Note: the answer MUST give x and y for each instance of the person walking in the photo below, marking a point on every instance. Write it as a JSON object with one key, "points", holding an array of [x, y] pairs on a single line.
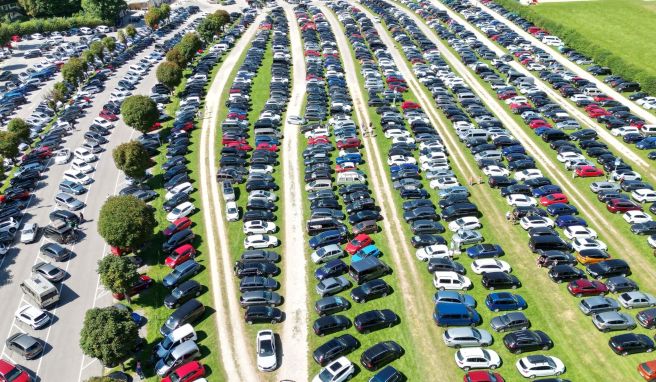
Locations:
{"points": [[82, 218], [139, 371]]}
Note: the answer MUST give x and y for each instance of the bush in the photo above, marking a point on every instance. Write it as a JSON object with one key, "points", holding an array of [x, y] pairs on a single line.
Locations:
{"points": [[48, 25]]}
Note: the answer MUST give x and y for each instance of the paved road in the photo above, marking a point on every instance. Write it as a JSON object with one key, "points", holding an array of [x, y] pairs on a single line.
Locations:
{"points": [[63, 360]]}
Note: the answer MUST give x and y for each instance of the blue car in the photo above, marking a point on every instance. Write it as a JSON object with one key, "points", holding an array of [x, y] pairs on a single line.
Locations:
{"points": [[350, 157], [332, 268], [514, 149], [368, 251], [266, 139], [505, 301], [416, 193], [454, 296], [564, 221], [547, 190], [138, 319], [404, 166], [485, 251], [540, 130], [333, 236], [648, 143], [455, 314], [562, 209]]}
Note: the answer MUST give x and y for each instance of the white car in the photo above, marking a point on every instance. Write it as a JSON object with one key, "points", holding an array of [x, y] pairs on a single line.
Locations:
{"points": [[651, 240], [521, 200], [625, 175], [338, 370], [465, 223], [579, 232], [76, 176], [633, 217], [29, 232], [644, 195], [103, 123], [477, 358], [85, 155], [449, 280], [400, 159], [622, 131], [232, 211], [539, 365], [267, 358], [295, 120], [527, 174], [579, 244], [432, 251], [444, 182], [569, 156], [185, 187], [495, 171], [260, 241], [63, 156], [535, 221], [181, 210], [259, 227], [481, 266], [9, 225], [81, 166], [32, 316]]}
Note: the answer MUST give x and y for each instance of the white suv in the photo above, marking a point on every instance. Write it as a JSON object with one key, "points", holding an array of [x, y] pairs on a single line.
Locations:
{"points": [[339, 370], [9, 225], [477, 358], [540, 366]]}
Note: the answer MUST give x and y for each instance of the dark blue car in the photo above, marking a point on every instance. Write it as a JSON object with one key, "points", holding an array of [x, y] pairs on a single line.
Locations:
{"points": [[514, 149], [455, 314], [562, 209], [332, 268], [350, 157], [484, 251], [547, 190], [564, 221], [504, 301], [648, 143], [333, 236]]}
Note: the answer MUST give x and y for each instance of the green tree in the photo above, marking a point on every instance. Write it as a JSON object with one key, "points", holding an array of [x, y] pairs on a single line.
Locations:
{"points": [[189, 45], [126, 222], [209, 27], [108, 10], [130, 30], [117, 274], [170, 74], [109, 43], [73, 70], [88, 57], [139, 112], [132, 158], [34, 8], [109, 334], [152, 17], [5, 34], [165, 11], [102, 379], [223, 16], [9, 142], [98, 50], [56, 95], [175, 56], [19, 127], [120, 36]]}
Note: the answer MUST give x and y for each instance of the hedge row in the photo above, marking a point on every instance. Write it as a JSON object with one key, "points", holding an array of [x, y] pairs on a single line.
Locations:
{"points": [[47, 25], [584, 45]]}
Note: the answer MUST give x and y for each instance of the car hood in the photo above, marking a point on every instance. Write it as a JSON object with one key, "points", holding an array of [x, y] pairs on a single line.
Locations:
{"points": [[267, 362]]}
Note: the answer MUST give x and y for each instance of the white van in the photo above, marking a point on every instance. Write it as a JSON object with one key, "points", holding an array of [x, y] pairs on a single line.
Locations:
{"points": [[40, 291], [182, 334], [451, 281], [592, 92], [648, 130], [350, 177], [552, 40]]}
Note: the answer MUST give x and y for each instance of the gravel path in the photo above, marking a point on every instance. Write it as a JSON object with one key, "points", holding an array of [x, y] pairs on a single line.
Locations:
{"points": [[235, 357], [294, 328]]}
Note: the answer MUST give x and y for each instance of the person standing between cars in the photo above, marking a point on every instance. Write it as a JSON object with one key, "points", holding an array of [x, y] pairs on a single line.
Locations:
{"points": [[82, 218], [139, 371]]}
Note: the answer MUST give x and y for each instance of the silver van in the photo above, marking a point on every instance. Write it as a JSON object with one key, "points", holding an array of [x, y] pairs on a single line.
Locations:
{"points": [[648, 130], [350, 177], [182, 334], [183, 353], [489, 154]]}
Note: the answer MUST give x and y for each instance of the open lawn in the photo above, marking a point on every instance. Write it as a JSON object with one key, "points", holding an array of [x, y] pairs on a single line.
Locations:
{"points": [[624, 27]]}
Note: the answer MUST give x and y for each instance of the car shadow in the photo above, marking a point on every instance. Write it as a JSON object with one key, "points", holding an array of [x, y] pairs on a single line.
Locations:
{"points": [[46, 349], [66, 295], [7, 260], [15, 67]]}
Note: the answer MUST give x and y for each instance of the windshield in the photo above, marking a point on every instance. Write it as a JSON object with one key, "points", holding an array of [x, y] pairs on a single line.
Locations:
{"points": [[166, 343], [326, 376], [266, 348], [177, 293], [12, 374]]}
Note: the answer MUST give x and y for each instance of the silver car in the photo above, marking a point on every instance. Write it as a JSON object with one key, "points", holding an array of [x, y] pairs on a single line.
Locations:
{"points": [[636, 299], [463, 337], [598, 304], [68, 201], [466, 237], [608, 321], [49, 271], [332, 285], [29, 233]]}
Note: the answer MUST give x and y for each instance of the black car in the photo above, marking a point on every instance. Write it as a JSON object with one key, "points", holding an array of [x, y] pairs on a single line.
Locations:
{"points": [[500, 280], [177, 239], [262, 314], [335, 348], [67, 216], [564, 273], [177, 199], [375, 319], [425, 226], [364, 215], [424, 240], [527, 340], [252, 283], [259, 255], [371, 290], [332, 268], [551, 258], [380, 355], [619, 284], [258, 215], [331, 304], [647, 228], [330, 324], [631, 343], [609, 268], [183, 293], [255, 269], [418, 213], [445, 264]]}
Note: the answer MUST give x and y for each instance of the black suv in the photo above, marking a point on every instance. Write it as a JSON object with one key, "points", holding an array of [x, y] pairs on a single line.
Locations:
{"points": [[335, 348], [370, 290], [527, 340], [380, 355]]}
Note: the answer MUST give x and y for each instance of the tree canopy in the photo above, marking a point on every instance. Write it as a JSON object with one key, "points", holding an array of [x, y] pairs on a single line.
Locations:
{"points": [[98, 50], [117, 274], [130, 30], [126, 222], [109, 334], [73, 70], [139, 112], [132, 158], [175, 55], [19, 127], [9, 142], [104, 9], [169, 74], [189, 45]]}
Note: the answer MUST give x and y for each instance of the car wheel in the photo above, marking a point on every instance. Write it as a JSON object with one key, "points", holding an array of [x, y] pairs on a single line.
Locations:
{"points": [[249, 322], [384, 294], [274, 321], [496, 310], [579, 295], [441, 288], [491, 288], [625, 354], [492, 367], [650, 350], [466, 368]]}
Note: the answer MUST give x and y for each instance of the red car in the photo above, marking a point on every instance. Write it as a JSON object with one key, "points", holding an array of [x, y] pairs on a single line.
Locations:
{"points": [[231, 141], [108, 115], [410, 105], [238, 116], [14, 195], [534, 124], [357, 243], [585, 287], [16, 38], [588, 172], [548, 200], [595, 113], [318, 139], [239, 146], [482, 376], [348, 143], [155, 126], [186, 373], [188, 126], [266, 146], [177, 226], [506, 95], [600, 98], [13, 373], [40, 152], [180, 255], [622, 205], [119, 251], [143, 283], [346, 166]]}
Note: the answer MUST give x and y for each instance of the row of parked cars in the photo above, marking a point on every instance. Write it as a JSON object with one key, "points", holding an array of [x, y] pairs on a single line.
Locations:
{"points": [[335, 235], [556, 253]]}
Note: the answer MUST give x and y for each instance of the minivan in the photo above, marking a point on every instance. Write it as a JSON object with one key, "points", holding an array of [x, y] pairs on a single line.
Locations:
{"points": [[455, 314], [548, 243], [368, 269], [187, 313], [318, 225], [182, 334], [183, 353], [350, 177], [648, 130]]}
